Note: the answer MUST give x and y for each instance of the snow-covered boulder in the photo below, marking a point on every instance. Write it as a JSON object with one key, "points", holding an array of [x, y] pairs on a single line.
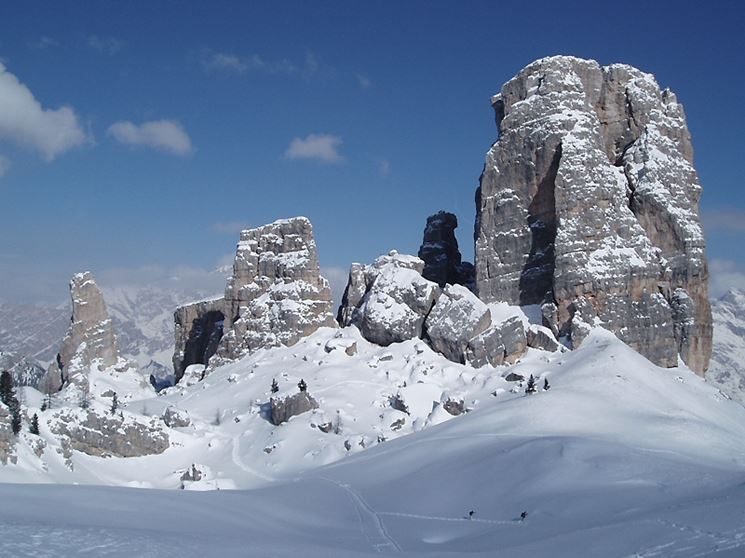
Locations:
{"points": [[503, 342], [540, 337], [396, 299], [457, 317], [176, 418]]}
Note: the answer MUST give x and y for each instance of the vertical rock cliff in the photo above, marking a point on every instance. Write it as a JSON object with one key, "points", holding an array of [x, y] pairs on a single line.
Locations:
{"points": [[588, 205]]}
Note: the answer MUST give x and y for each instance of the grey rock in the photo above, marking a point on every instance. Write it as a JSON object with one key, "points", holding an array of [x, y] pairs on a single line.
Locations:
{"points": [[440, 254], [282, 408], [176, 418], [456, 318], [512, 377], [90, 337], [192, 474], [541, 338], [395, 302], [504, 342], [108, 435], [7, 438], [454, 407], [275, 296], [590, 193]]}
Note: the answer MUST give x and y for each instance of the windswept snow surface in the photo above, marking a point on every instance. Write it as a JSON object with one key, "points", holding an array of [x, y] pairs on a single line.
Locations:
{"points": [[619, 458]]}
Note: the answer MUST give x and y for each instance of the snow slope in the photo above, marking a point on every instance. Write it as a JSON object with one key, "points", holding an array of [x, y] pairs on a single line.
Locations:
{"points": [[618, 459]]}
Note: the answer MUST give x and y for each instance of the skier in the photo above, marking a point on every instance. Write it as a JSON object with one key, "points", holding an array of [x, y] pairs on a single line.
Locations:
{"points": [[523, 516]]}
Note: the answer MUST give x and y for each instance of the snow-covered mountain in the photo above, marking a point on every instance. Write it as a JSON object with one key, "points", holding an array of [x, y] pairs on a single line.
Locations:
{"points": [[619, 457], [34, 331], [727, 367]]}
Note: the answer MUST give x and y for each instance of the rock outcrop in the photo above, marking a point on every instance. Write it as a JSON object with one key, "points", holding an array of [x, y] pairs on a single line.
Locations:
{"points": [[282, 408], [274, 297], [440, 254], [108, 435], [389, 300], [589, 202], [198, 328], [90, 337]]}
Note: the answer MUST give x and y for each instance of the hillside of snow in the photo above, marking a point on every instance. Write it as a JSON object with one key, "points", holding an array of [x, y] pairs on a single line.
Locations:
{"points": [[618, 458]]}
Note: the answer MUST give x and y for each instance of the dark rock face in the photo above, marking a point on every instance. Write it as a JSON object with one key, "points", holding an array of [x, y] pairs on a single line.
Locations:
{"points": [[440, 253], [540, 338], [282, 408], [589, 202], [198, 330]]}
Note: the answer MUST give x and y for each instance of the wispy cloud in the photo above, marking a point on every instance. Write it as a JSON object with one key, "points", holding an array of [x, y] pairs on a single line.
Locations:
{"points": [[24, 121], [323, 148], [364, 81], [42, 43], [725, 220], [384, 167], [229, 227], [105, 45], [725, 275], [163, 135], [236, 64]]}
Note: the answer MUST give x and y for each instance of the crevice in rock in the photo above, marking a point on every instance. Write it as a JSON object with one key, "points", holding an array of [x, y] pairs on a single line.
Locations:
{"points": [[203, 340], [536, 278]]}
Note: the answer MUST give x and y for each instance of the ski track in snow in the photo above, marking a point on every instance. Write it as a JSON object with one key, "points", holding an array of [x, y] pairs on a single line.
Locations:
{"points": [[236, 454], [438, 518], [370, 522]]}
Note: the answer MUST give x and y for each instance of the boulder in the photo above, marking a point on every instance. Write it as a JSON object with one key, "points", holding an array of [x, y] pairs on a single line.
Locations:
{"points": [[457, 317], [395, 302], [282, 408], [176, 418], [541, 338], [502, 343], [589, 199]]}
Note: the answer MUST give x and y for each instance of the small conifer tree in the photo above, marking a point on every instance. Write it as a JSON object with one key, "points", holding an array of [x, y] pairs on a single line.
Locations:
{"points": [[34, 428], [114, 404], [302, 385], [8, 397], [275, 385], [530, 388], [545, 384]]}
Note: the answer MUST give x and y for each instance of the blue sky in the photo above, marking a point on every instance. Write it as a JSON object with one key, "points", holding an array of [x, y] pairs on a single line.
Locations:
{"points": [[187, 121]]}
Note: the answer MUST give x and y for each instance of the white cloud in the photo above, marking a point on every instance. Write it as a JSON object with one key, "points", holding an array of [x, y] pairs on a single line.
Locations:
{"points": [[364, 81], [725, 220], [317, 147], [385, 167], [24, 121], [4, 165], [725, 275], [106, 45], [164, 135], [226, 62]]}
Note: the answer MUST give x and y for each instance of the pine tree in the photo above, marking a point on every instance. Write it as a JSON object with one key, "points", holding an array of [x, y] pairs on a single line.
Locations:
{"points": [[302, 385], [114, 404], [530, 388], [545, 384], [275, 386], [34, 428]]}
